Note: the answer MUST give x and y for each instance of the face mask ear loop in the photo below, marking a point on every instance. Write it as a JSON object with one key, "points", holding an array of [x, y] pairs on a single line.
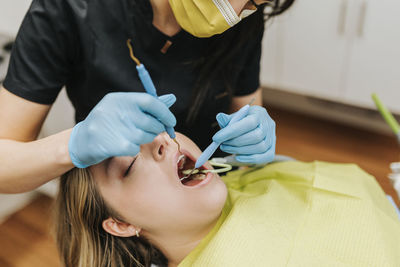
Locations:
{"points": [[255, 4]]}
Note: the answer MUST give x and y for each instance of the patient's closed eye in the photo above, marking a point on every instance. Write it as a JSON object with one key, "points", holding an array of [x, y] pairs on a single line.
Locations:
{"points": [[130, 166]]}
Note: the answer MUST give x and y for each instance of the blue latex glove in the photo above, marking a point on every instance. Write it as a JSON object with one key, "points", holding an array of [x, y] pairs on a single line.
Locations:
{"points": [[252, 139], [118, 125]]}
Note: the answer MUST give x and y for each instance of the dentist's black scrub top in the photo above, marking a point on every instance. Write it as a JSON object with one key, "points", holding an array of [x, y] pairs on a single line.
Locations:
{"points": [[81, 44]]}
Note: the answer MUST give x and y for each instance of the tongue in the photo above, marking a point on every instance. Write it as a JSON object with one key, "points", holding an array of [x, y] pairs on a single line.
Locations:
{"points": [[194, 179]]}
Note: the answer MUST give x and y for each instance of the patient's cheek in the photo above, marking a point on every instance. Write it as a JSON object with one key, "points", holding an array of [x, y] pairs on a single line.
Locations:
{"points": [[188, 144]]}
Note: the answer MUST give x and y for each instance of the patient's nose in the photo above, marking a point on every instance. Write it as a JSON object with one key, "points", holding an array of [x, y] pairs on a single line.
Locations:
{"points": [[160, 146]]}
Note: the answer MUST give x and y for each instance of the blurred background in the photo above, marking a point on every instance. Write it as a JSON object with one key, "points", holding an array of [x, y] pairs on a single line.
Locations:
{"points": [[321, 61]]}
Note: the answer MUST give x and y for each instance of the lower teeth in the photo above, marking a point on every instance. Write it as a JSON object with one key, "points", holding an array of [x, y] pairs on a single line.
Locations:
{"points": [[199, 176]]}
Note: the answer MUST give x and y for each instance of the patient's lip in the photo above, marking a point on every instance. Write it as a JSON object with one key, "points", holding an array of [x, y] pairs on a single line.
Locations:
{"points": [[209, 176], [184, 152], [189, 155], [205, 181]]}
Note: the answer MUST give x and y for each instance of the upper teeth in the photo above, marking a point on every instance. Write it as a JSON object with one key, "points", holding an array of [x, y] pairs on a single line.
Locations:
{"points": [[181, 161]]}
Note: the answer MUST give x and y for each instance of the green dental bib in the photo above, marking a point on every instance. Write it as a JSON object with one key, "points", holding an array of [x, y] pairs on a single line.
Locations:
{"points": [[302, 214]]}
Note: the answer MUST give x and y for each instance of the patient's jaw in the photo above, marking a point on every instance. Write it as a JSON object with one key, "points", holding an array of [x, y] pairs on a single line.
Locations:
{"points": [[152, 198]]}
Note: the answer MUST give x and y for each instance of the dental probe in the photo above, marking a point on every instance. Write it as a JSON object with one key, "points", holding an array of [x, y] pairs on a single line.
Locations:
{"points": [[209, 151], [223, 167], [149, 87]]}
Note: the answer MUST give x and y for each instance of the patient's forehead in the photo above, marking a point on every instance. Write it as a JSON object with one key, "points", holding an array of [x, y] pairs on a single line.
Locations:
{"points": [[110, 168]]}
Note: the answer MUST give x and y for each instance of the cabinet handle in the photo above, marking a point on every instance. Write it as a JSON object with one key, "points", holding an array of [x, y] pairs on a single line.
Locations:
{"points": [[361, 21], [341, 29]]}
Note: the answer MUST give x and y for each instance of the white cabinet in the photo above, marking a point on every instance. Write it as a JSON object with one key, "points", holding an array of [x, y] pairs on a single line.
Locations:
{"points": [[313, 48], [341, 50], [374, 61], [270, 58]]}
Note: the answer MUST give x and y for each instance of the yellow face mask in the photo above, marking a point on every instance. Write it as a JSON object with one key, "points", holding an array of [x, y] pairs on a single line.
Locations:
{"points": [[205, 18]]}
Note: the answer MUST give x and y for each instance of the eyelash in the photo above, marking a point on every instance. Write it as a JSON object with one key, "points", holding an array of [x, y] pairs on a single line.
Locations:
{"points": [[130, 166]]}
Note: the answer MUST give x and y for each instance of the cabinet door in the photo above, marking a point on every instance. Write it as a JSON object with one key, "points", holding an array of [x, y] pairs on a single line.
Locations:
{"points": [[375, 55], [271, 64], [313, 48]]}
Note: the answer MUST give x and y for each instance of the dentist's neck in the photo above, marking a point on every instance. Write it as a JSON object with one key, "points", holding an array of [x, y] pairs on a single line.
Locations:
{"points": [[163, 17], [238, 5]]}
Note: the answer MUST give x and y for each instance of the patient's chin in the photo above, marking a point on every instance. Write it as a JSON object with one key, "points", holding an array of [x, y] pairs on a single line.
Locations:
{"points": [[217, 195]]}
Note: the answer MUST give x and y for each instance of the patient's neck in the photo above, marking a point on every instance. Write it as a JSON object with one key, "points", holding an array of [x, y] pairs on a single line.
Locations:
{"points": [[177, 245]]}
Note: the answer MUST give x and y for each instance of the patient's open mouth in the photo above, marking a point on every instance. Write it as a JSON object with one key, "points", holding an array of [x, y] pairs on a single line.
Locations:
{"points": [[186, 163]]}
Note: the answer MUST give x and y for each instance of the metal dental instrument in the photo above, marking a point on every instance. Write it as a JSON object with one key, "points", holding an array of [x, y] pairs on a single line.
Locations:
{"points": [[222, 168], [231, 160], [149, 86], [209, 151]]}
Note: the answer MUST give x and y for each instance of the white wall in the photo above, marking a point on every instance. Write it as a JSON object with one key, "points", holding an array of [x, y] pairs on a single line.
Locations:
{"points": [[11, 15], [61, 117]]}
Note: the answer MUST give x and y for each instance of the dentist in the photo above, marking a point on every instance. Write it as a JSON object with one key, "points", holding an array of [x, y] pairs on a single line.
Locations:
{"points": [[203, 53]]}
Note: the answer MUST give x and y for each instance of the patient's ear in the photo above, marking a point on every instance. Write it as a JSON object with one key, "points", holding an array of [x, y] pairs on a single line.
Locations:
{"points": [[117, 228]]}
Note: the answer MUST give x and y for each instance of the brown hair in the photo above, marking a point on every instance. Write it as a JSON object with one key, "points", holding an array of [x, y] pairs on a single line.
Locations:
{"points": [[81, 239]]}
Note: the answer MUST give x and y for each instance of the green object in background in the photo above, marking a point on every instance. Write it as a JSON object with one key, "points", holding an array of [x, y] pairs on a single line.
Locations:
{"points": [[386, 115]]}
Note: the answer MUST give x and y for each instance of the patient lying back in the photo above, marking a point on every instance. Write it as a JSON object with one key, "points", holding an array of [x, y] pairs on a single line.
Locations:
{"points": [[134, 211]]}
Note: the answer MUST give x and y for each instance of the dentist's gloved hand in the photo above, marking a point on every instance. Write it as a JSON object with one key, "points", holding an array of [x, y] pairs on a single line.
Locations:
{"points": [[252, 139], [118, 125]]}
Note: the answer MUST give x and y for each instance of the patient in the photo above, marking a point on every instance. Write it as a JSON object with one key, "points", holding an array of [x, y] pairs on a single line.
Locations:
{"points": [[135, 211]]}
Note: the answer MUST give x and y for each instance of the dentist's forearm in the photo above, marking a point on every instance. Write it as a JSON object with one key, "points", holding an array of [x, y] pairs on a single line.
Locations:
{"points": [[239, 101], [25, 166]]}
